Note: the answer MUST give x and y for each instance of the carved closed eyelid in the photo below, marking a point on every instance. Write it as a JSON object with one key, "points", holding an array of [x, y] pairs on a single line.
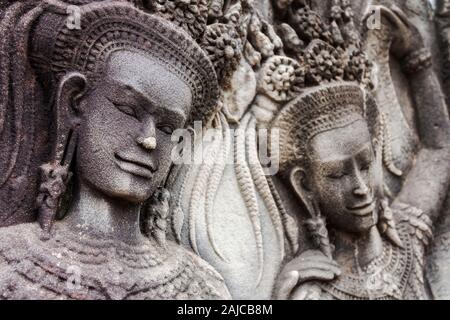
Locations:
{"points": [[365, 166], [168, 129], [124, 107], [335, 173], [366, 153], [128, 110], [365, 162]]}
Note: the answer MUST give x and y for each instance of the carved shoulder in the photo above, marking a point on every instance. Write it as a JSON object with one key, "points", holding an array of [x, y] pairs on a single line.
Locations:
{"points": [[13, 250], [419, 223], [14, 242], [210, 282]]}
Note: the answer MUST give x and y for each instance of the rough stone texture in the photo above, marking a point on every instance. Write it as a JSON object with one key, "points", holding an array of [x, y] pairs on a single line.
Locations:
{"points": [[340, 205]]}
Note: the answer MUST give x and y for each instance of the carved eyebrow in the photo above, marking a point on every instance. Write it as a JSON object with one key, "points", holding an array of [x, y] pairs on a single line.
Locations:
{"points": [[144, 99], [333, 165], [338, 162], [138, 95]]}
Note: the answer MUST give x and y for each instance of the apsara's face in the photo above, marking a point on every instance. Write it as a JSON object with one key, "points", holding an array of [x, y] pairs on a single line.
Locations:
{"points": [[124, 147], [343, 171]]}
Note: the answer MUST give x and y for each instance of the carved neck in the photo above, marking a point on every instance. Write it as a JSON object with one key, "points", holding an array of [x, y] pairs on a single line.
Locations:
{"points": [[93, 213], [360, 248]]}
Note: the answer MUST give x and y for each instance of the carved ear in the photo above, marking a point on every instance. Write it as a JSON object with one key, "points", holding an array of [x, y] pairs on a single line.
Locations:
{"points": [[300, 185], [71, 89]]}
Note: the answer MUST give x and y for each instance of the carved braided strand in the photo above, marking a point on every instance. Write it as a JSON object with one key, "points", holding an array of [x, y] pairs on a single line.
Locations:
{"points": [[289, 228], [18, 75], [214, 181], [178, 210], [198, 194], [261, 183], [247, 188], [5, 42]]}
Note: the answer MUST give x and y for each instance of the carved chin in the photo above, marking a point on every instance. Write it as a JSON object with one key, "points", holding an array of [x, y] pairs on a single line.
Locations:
{"points": [[366, 222]]}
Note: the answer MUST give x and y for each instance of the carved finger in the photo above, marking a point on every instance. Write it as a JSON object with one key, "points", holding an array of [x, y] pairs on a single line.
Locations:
{"points": [[287, 284], [402, 16], [315, 254], [327, 267], [394, 19], [316, 274], [308, 291], [315, 260], [312, 259]]}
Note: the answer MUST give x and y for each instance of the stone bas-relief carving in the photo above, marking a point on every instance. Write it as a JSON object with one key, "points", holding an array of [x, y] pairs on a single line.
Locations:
{"points": [[369, 249], [323, 177], [362, 228], [110, 89]]}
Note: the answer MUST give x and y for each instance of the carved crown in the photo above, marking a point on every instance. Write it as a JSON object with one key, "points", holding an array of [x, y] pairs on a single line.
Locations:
{"points": [[108, 26], [336, 76], [318, 110], [328, 49]]}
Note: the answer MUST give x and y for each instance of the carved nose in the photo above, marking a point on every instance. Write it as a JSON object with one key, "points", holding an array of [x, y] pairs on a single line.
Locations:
{"points": [[147, 138], [361, 190], [148, 143]]}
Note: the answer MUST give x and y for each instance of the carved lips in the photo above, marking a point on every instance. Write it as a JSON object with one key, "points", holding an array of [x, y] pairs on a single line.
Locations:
{"points": [[136, 167], [363, 209]]}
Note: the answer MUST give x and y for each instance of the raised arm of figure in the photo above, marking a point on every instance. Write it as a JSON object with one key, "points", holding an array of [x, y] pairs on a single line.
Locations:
{"points": [[427, 183]]}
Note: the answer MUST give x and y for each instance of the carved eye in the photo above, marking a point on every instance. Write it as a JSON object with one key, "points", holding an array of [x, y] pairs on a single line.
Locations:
{"points": [[127, 110], [336, 175], [365, 167], [166, 129]]}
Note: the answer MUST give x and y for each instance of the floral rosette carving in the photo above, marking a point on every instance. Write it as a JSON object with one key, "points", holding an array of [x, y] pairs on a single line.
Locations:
{"points": [[281, 78], [325, 63], [309, 25], [191, 15], [359, 68], [224, 48], [215, 8], [342, 10]]}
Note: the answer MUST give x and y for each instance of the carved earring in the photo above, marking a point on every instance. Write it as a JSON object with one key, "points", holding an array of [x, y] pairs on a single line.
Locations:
{"points": [[387, 225], [317, 229], [55, 174], [54, 177], [315, 224], [157, 214]]}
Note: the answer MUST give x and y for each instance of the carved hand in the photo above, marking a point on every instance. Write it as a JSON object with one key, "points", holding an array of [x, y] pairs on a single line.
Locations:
{"points": [[311, 265], [406, 37]]}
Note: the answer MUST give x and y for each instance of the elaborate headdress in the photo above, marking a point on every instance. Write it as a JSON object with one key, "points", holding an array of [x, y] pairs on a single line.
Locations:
{"points": [[321, 109], [39, 44], [106, 27], [336, 74]]}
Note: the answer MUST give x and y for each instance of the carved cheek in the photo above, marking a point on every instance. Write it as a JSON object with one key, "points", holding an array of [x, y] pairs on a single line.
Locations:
{"points": [[337, 193], [103, 133]]}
